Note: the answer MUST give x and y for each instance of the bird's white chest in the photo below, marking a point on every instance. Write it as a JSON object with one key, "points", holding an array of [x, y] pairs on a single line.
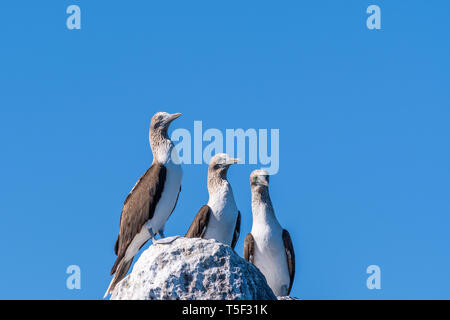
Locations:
{"points": [[167, 202], [270, 256], [222, 222]]}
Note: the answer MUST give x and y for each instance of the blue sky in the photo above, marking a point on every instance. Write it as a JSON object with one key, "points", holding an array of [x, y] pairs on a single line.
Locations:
{"points": [[364, 129]]}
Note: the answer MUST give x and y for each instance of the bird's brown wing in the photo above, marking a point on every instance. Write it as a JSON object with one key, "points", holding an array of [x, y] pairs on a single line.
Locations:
{"points": [[249, 248], [237, 230], [139, 207], [198, 226], [290, 256]]}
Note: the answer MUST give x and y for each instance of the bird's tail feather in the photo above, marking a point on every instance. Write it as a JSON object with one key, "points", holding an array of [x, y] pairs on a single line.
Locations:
{"points": [[120, 273]]}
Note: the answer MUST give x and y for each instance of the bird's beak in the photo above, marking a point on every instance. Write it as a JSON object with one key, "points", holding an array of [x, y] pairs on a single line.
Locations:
{"points": [[233, 161], [174, 116]]}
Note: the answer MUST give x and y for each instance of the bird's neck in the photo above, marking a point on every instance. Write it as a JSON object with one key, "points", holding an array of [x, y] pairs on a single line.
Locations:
{"points": [[262, 208], [218, 185], [162, 147]]}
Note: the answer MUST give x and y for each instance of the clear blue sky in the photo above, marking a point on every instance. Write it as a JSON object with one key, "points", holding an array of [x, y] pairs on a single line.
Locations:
{"points": [[364, 133]]}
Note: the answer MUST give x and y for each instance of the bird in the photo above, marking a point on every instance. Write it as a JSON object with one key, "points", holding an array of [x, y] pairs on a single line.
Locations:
{"points": [[151, 201], [220, 218], [268, 246]]}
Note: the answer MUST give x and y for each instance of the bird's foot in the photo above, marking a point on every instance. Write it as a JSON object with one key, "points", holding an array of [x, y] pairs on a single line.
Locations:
{"points": [[167, 240]]}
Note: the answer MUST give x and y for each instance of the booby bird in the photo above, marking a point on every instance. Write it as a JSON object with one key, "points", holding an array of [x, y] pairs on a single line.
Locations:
{"points": [[219, 219], [268, 246], [151, 201]]}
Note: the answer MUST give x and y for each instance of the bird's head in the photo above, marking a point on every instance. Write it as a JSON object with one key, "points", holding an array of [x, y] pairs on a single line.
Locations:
{"points": [[161, 122], [259, 178], [220, 163]]}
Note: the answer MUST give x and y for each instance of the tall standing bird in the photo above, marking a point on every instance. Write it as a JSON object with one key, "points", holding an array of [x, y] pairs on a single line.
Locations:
{"points": [[269, 246], [219, 219], [151, 201]]}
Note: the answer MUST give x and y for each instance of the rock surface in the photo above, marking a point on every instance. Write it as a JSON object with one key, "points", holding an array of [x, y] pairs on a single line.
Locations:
{"points": [[287, 298], [192, 269]]}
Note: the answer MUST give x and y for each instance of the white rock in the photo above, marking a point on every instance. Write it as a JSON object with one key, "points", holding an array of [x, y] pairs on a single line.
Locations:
{"points": [[193, 269]]}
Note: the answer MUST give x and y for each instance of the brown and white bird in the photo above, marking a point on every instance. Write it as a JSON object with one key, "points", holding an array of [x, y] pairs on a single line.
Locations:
{"points": [[219, 219], [269, 246], [151, 201]]}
